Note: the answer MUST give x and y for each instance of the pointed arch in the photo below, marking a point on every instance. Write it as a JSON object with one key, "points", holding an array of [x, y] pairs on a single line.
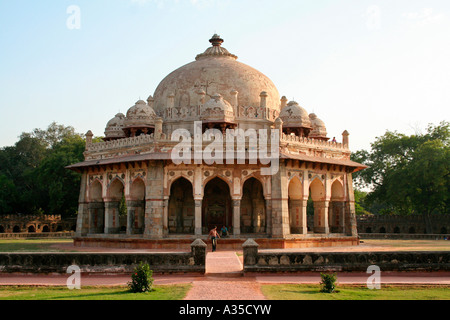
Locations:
{"points": [[253, 207], [216, 205], [137, 189], [181, 211], [96, 191], [115, 190]]}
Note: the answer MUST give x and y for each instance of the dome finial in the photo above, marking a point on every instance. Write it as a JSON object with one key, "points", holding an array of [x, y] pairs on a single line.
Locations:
{"points": [[216, 40]]}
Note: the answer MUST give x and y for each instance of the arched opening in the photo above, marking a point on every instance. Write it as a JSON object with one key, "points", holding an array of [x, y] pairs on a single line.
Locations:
{"points": [[216, 208], [136, 208], [368, 230], [181, 207], [113, 207], [2, 229], [45, 229], [296, 207], [16, 229], [382, 230], [59, 228], [396, 229], [31, 229], [253, 207], [317, 192], [336, 212], [96, 208]]}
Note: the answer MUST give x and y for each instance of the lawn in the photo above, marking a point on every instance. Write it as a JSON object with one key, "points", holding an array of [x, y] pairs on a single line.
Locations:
{"points": [[32, 245], [172, 292], [311, 292]]}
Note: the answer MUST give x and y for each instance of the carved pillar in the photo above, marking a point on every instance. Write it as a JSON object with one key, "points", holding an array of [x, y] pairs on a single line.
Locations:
{"points": [[83, 209], [154, 207], [135, 217], [112, 223], [321, 217], [236, 217], [280, 205], [96, 217], [198, 217], [350, 212], [299, 224]]}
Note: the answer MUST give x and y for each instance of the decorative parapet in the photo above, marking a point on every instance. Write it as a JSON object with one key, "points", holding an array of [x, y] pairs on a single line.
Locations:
{"points": [[121, 143], [296, 140]]}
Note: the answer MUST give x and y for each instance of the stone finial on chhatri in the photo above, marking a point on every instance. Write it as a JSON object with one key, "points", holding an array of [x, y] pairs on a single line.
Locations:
{"points": [[216, 40]]}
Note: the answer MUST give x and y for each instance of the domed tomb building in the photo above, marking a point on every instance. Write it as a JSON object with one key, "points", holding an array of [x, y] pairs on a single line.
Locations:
{"points": [[169, 203]]}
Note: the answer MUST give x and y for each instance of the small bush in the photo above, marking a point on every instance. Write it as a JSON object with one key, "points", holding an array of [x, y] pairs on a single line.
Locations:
{"points": [[141, 279], [328, 283]]}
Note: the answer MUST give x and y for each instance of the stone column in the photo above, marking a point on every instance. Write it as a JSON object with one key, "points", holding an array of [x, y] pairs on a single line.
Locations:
{"points": [[321, 217], [154, 206], [268, 216], [96, 217], [83, 209], [236, 217], [350, 212], [198, 217], [299, 224], [166, 217], [337, 216], [112, 223], [135, 217], [280, 205]]}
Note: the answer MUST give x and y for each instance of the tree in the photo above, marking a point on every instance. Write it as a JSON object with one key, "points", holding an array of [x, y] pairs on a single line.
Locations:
{"points": [[33, 178], [408, 174]]}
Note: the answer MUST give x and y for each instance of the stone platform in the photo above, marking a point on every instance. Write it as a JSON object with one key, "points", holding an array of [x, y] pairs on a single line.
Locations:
{"points": [[230, 243]]}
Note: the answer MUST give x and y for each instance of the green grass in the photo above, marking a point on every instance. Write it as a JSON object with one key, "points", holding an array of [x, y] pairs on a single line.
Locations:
{"points": [[32, 245], [311, 292], [170, 292]]}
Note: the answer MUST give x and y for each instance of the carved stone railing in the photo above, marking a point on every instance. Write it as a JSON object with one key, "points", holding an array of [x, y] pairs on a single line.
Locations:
{"points": [[312, 142]]}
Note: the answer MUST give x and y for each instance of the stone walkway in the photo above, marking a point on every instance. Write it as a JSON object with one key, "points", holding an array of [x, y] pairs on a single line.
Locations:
{"points": [[224, 280]]}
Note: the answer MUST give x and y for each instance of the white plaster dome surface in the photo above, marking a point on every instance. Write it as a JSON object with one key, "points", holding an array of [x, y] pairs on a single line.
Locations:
{"points": [[215, 71], [114, 127], [141, 114], [293, 115]]}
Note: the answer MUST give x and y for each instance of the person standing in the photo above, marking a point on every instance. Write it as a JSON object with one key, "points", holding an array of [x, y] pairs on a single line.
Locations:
{"points": [[214, 235]]}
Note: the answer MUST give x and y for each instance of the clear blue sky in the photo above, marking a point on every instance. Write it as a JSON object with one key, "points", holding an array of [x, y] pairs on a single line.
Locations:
{"points": [[361, 66]]}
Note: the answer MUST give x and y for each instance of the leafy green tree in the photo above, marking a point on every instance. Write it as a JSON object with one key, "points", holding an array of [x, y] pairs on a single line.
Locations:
{"points": [[408, 174], [33, 178]]}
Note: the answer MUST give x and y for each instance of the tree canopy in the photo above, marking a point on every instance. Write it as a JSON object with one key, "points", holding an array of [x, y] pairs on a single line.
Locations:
{"points": [[407, 174], [33, 178]]}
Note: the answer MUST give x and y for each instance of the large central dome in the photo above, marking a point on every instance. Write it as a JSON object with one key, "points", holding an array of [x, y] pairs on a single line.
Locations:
{"points": [[216, 72]]}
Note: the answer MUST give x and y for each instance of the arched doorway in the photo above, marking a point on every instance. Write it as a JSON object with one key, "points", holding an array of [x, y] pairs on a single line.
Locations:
{"points": [[2, 229], [296, 206], [216, 209], [31, 229], [253, 207], [336, 211], [96, 208], [113, 207], [317, 192], [16, 229], [46, 229], [181, 208]]}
